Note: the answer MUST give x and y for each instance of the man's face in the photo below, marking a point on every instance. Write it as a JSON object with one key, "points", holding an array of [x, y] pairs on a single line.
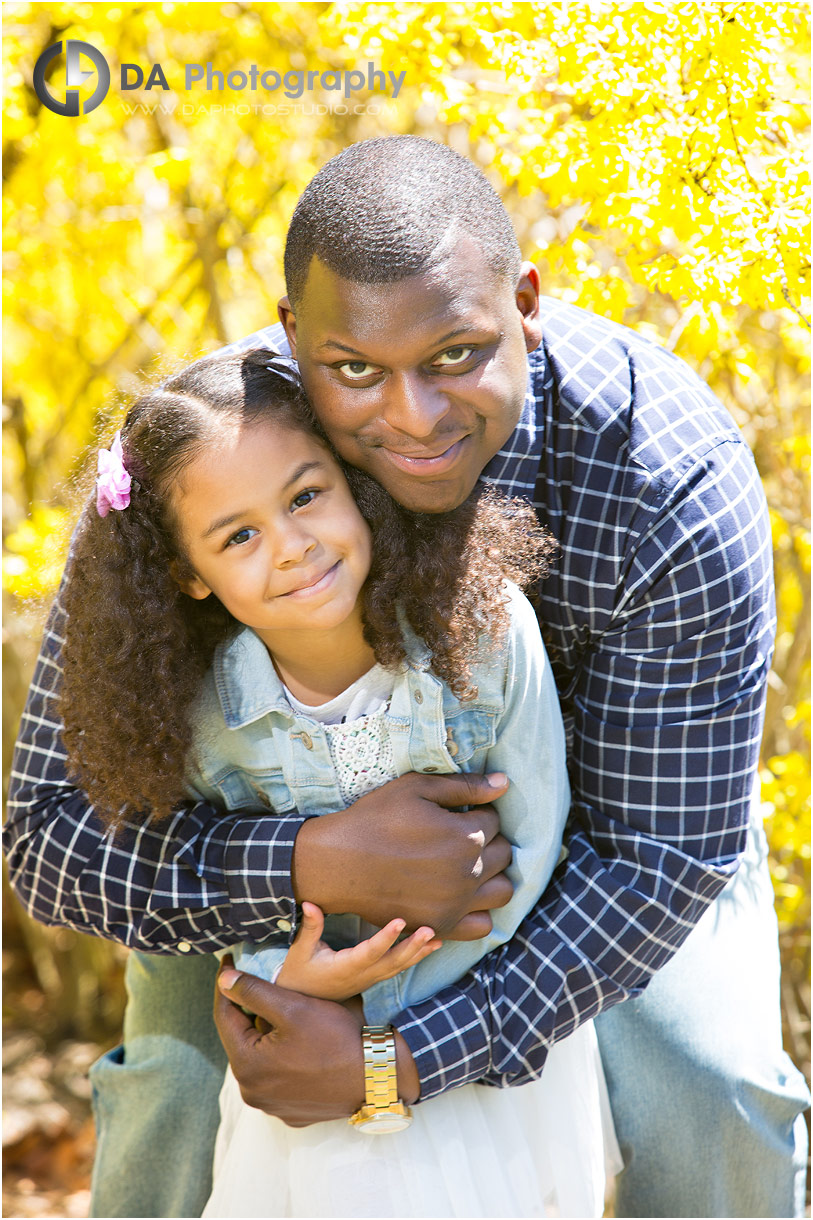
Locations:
{"points": [[422, 381]]}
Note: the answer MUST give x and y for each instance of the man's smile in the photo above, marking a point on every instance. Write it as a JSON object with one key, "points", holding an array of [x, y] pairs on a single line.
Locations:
{"points": [[432, 461]]}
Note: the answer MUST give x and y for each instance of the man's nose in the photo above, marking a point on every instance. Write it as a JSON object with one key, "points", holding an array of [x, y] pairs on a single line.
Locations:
{"points": [[414, 404]]}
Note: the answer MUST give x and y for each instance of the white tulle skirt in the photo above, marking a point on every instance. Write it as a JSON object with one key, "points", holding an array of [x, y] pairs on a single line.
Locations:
{"points": [[542, 1149]]}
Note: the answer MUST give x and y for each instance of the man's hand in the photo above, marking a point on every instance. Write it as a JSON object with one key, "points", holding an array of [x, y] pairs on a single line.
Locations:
{"points": [[406, 851], [307, 1067], [313, 968]]}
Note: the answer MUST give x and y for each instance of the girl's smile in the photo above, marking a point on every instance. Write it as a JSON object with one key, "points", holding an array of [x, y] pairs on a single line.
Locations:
{"points": [[269, 526], [316, 585]]}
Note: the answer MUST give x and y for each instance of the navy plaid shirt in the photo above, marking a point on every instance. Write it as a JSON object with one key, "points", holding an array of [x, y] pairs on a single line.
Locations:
{"points": [[659, 623]]}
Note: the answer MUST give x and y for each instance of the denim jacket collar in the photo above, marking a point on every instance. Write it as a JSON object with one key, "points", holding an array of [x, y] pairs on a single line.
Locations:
{"points": [[247, 684], [249, 687]]}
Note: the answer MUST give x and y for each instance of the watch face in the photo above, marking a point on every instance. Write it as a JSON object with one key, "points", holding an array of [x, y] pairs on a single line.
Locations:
{"points": [[384, 1124]]}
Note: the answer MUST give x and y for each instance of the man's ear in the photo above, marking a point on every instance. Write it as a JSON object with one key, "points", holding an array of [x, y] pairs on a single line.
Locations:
{"points": [[288, 320], [527, 298], [192, 585]]}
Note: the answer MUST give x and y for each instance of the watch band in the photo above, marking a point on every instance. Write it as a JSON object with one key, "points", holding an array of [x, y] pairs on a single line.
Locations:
{"points": [[380, 1078], [383, 1112]]}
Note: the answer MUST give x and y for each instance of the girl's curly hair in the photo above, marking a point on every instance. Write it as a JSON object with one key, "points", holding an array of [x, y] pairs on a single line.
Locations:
{"points": [[137, 648]]}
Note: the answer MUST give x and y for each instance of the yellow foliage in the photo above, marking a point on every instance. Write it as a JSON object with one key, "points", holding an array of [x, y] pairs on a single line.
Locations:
{"points": [[35, 554], [679, 128], [652, 154], [786, 791]]}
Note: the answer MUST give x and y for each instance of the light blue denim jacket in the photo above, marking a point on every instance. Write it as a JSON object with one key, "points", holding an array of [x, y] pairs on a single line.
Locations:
{"points": [[252, 749]]}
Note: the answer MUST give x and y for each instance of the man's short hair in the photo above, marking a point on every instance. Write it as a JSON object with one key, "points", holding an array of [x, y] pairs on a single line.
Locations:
{"points": [[392, 207]]}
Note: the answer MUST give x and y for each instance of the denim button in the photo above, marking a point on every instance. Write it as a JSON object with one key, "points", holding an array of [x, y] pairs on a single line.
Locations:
{"points": [[418, 697], [451, 744], [263, 797], [430, 769]]}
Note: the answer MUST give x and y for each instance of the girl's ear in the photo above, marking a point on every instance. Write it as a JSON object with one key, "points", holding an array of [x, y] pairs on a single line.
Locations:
{"points": [[192, 585]]}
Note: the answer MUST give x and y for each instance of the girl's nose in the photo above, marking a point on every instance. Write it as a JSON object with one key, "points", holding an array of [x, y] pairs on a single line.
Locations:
{"points": [[292, 545]]}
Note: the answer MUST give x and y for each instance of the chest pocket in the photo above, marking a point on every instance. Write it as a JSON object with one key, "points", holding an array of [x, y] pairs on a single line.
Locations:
{"points": [[470, 734], [254, 789]]}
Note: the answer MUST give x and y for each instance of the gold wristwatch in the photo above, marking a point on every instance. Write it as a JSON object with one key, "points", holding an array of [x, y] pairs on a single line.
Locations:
{"points": [[383, 1112]]}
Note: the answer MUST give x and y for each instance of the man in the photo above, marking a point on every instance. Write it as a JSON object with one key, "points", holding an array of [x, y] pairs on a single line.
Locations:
{"points": [[429, 357]]}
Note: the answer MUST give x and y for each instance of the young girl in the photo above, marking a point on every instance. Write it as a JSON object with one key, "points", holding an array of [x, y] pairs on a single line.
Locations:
{"points": [[244, 629]]}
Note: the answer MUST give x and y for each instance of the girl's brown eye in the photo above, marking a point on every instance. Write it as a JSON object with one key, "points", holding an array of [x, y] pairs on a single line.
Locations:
{"points": [[305, 497], [242, 537]]}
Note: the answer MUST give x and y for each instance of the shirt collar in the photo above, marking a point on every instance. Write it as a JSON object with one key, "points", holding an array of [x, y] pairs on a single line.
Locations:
{"points": [[518, 461]]}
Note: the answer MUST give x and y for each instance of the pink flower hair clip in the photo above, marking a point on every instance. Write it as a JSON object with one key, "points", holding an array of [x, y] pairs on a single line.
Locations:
{"points": [[113, 483]]}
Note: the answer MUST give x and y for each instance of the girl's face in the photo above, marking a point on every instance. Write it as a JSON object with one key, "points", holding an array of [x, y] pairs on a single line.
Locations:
{"points": [[269, 526]]}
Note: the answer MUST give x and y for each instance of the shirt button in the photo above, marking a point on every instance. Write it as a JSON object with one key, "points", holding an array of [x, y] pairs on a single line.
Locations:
{"points": [[284, 925], [418, 697], [184, 946]]}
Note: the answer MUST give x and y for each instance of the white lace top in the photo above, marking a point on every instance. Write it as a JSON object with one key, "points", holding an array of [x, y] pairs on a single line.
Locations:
{"points": [[357, 734]]}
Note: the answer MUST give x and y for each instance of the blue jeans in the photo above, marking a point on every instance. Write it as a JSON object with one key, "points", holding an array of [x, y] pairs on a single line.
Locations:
{"points": [[155, 1097], [707, 1105]]}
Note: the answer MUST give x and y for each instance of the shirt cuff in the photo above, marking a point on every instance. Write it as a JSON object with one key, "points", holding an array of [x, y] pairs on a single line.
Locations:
{"points": [[257, 862], [450, 1043]]}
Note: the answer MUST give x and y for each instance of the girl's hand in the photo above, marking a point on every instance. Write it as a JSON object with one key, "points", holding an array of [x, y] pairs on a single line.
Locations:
{"points": [[314, 969]]}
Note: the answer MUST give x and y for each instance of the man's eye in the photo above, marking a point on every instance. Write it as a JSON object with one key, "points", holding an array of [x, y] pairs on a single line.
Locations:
{"points": [[305, 497], [453, 356], [355, 370], [242, 537]]}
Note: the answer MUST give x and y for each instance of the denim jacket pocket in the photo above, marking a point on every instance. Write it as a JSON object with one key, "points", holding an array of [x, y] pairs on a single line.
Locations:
{"points": [[470, 733], [242, 789]]}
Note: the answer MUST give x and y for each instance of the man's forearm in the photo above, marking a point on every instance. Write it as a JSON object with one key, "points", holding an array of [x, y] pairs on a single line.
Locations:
{"points": [[584, 948], [168, 889], [667, 706], [496, 1023], [198, 880], [206, 878]]}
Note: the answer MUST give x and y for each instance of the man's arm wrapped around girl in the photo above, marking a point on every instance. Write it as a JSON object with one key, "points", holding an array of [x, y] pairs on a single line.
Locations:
{"points": [[511, 725], [192, 880], [195, 881]]}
